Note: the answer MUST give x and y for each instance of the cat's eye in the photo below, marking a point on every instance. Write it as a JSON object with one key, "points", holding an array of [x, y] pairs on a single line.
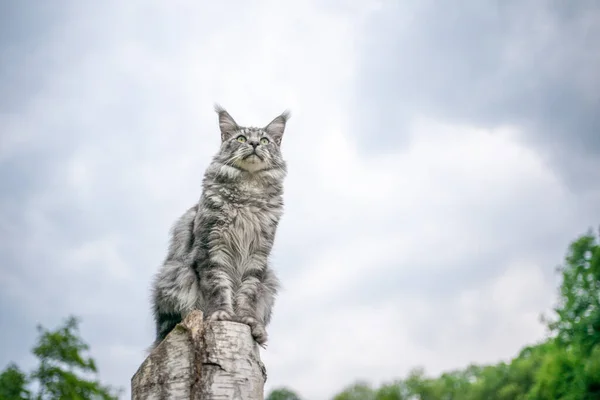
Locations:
{"points": [[264, 141], [241, 139]]}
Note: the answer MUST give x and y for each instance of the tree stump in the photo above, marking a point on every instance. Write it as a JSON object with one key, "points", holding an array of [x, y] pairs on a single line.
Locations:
{"points": [[202, 360]]}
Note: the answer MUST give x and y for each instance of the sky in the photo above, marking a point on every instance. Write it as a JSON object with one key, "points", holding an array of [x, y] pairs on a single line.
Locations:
{"points": [[441, 158]]}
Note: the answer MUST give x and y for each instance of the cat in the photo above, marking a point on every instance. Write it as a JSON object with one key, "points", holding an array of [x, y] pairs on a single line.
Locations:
{"points": [[217, 260]]}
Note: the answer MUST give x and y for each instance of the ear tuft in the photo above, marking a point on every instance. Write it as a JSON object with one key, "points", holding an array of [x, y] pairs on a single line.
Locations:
{"points": [[227, 124], [276, 127]]}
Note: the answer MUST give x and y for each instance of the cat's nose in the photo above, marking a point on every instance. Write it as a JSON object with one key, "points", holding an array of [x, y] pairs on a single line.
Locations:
{"points": [[253, 143]]}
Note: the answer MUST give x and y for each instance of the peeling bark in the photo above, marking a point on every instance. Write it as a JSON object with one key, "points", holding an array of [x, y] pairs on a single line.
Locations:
{"points": [[202, 361]]}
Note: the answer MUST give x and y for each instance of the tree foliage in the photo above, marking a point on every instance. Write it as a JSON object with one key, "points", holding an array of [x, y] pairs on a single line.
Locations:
{"points": [[357, 391], [282, 394], [13, 384], [64, 370]]}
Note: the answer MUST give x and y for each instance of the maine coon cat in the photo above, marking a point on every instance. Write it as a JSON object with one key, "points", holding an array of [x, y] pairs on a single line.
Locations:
{"points": [[218, 257]]}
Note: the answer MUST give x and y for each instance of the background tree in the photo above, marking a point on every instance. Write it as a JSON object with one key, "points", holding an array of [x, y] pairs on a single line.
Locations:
{"points": [[391, 391], [13, 384], [357, 391], [282, 394], [578, 324], [64, 371], [571, 369]]}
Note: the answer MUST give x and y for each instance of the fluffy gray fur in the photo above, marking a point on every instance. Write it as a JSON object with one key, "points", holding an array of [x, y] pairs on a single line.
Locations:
{"points": [[217, 260]]}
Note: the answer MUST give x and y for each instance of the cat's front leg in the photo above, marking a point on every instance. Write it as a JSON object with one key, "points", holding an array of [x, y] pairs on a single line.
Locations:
{"points": [[246, 303], [217, 289]]}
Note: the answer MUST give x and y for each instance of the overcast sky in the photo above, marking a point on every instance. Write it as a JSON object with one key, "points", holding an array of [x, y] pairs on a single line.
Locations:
{"points": [[441, 158]]}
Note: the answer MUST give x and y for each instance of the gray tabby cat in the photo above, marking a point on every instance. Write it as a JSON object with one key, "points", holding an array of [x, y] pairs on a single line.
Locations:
{"points": [[217, 260]]}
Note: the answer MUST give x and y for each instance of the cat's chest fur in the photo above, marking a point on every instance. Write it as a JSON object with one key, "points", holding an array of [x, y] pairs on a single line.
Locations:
{"points": [[247, 218]]}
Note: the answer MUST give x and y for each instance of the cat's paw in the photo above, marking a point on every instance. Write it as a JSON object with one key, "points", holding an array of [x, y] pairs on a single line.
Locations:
{"points": [[220, 315], [250, 321], [257, 329], [259, 334]]}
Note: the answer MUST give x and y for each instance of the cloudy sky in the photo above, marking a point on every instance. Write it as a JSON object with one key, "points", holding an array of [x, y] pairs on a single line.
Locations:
{"points": [[441, 158]]}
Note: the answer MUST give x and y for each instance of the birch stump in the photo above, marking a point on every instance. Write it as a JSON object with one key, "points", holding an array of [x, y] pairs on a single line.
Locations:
{"points": [[202, 360]]}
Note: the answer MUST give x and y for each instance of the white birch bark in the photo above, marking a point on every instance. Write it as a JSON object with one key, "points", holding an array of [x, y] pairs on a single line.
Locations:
{"points": [[202, 361]]}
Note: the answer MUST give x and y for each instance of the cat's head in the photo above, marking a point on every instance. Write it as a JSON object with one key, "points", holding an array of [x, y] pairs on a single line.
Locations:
{"points": [[249, 148]]}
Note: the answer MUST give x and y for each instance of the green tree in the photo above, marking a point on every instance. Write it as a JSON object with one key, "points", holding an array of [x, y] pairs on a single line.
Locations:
{"points": [[64, 371], [422, 387], [13, 384], [356, 391], [578, 324], [391, 391], [522, 371], [559, 377], [570, 370], [282, 394]]}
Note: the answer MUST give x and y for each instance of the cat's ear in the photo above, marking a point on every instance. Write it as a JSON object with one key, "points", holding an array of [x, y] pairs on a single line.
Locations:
{"points": [[276, 127], [227, 125]]}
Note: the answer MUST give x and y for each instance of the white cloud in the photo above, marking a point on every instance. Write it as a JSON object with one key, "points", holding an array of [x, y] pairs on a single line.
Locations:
{"points": [[423, 209]]}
